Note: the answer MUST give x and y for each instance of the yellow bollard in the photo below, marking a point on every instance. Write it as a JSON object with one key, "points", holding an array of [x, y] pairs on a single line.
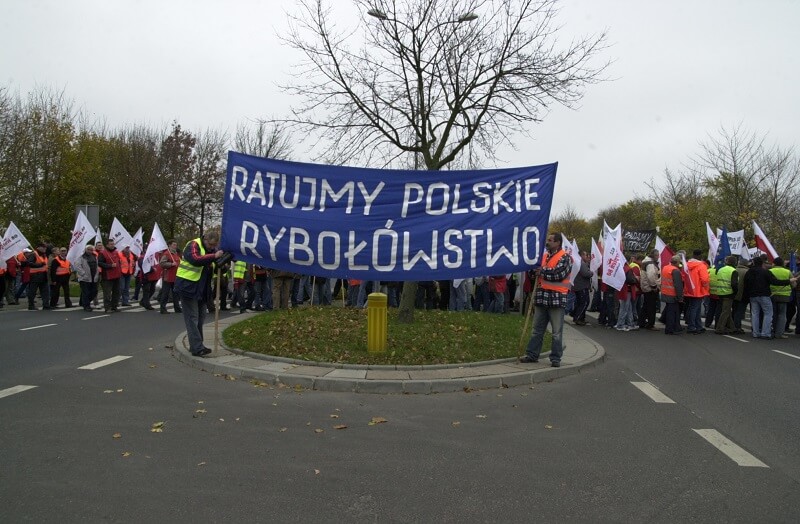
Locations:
{"points": [[377, 323]]}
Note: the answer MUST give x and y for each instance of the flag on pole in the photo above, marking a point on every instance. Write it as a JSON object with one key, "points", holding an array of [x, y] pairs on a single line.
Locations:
{"points": [[665, 254], [597, 257], [713, 243], [613, 263], [763, 243], [685, 269], [12, 242], [724, 249], [793, 262], [572, 250], [82, 234], [157, 245], [138, 243], [120, 235], [97, 236]]}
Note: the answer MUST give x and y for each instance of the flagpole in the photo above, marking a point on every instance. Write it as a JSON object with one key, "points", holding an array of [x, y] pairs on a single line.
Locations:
{"points": [[528, 314], [216, 311]]}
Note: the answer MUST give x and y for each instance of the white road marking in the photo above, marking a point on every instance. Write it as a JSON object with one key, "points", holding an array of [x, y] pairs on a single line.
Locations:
{"points": [[735, 338], [135, 309], [733, 451], [37, 327], [106, 362], [92, 318], [13, 391], [787, 354], [653, 392]]}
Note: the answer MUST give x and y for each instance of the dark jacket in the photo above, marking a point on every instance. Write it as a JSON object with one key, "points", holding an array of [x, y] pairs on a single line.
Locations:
{"points": [[757, 281]]}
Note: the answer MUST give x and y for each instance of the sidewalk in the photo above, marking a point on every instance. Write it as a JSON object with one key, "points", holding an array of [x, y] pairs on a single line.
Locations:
{"points": [[580, 352]]}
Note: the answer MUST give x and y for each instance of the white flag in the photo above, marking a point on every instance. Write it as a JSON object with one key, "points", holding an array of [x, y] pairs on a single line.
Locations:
{"points": [[713, 243], [686, 270], [613, 263], [157, 245], [138, 244], [120, 235], [82, 234], [572, 250], [12, 243], [763, 243], [597, 257], [97, 236]]}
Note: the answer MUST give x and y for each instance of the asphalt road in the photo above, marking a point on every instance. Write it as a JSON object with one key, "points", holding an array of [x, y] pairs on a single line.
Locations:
{"points": [[590, 447]]}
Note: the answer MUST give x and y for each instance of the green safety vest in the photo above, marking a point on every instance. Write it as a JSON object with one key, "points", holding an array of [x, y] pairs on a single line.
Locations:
{"points": [[712, 281], [781, 273], [723, 281], [239, 268], [188, 271]]}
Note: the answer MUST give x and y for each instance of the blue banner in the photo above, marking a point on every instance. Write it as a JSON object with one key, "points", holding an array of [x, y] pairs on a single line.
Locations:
{"points": [[378, 224]]}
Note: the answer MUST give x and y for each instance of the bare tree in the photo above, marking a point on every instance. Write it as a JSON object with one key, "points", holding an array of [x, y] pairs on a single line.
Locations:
{"points": [[435, 80], [264, 139], [207, 182]]}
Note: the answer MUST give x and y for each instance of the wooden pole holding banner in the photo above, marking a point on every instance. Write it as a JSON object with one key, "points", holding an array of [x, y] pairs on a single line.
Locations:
{"points": [[216, 311], [313, 288], [528, 315]]}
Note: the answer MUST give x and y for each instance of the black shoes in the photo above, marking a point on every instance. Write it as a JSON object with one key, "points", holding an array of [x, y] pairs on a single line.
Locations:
{"points": [[202, 353], [555, 364], [164, 311], [527, 359]]}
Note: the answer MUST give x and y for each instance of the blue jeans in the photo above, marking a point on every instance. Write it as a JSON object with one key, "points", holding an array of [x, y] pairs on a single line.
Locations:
{"points": [[541, 316], [125, 289], [625, 318], [779, 309], [757, 305], [693, 306], [194, 315]]}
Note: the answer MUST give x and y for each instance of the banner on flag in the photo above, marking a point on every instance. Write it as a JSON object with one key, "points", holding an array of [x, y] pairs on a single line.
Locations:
{"points": [[156, 245], [638, 241], [12, 242], [376, 224], [82, 234]]}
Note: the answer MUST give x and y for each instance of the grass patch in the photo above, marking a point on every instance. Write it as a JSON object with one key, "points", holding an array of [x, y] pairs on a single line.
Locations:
{"points": [[335, 334]]}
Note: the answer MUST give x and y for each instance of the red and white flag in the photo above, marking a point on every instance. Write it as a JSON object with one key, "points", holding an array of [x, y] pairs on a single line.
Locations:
{"points": [[572, 249], [613, 263], [665, 254], [685, 269], [763, 243]]}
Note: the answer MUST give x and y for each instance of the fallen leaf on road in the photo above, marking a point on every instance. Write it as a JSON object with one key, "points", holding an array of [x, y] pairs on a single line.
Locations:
{"points": [[200, 402], [548, 426], [157, 427], [480, 416], [116, 435], [126, 453], [283, 429], [201, 411], [222, 420], [120, 391], [169, 346], [201, 464], [108, 391], [340, 426], [377, 420], [316, 472], [456, 423], [149, 349], [151, 366], [230, 377], [334, 416], [318, 430]]}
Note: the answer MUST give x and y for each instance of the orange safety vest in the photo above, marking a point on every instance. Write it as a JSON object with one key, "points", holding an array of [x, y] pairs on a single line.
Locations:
{"points": [[63, 267], [550, 262], [41, 260], [125, 263], [667, 284]]}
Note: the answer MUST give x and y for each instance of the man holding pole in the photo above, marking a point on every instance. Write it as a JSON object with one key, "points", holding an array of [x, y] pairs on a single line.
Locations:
{"points": [[193, 285], [549, 300]]}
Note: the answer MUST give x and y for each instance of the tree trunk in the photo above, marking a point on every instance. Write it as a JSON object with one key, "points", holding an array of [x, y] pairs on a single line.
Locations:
{"points": [[405, 313]]}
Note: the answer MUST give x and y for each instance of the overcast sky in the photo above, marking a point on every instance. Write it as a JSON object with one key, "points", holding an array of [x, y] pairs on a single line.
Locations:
{"points": [[682, 70]]}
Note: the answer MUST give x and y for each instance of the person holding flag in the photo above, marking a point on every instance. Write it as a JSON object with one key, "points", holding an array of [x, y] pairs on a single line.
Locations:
{"points": [[108, 261], [650, 283], [581, 287], [672, 294], [550, 299], [36, 262], [727, 284]]}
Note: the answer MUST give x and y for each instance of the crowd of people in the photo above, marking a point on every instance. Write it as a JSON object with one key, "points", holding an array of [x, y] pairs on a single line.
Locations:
{"points": [[698, 296]]}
